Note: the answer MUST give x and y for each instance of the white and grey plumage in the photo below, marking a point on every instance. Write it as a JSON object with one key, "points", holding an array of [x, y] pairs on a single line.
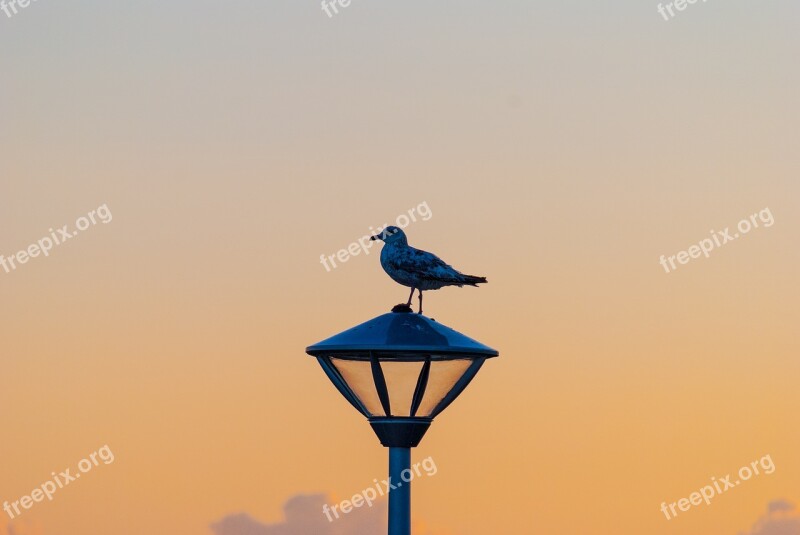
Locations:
{"points": [[417, 269]]}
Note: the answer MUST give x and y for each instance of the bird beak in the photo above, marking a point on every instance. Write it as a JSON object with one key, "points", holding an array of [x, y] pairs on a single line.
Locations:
{"points": [[377, 237]]}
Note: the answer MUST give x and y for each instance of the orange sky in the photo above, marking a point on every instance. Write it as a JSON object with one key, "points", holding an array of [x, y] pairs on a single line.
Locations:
{"points": [[561, 149]]}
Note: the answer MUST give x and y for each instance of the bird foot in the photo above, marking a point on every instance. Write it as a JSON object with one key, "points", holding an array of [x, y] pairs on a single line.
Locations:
{"points": [[402, 307]]}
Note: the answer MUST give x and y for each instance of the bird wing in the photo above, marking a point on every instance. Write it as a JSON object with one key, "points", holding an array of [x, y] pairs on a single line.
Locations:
{"points": [[426, 265]]}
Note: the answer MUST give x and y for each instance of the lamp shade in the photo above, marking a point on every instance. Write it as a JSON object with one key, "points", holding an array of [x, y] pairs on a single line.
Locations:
{"points": [[400, 365]]}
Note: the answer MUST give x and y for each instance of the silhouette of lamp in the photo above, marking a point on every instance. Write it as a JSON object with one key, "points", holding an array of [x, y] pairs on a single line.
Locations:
{"points": [[400, 370]]}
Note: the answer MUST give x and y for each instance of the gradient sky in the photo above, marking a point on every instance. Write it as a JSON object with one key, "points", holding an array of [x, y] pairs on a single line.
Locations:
{"points": [[561, 147]]}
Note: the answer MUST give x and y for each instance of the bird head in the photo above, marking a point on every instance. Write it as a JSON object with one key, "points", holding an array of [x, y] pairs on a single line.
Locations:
{"points": [[391, 234]]}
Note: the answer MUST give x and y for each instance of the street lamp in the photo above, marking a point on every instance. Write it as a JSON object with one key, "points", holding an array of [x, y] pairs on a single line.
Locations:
{"points": [[400, 370]]}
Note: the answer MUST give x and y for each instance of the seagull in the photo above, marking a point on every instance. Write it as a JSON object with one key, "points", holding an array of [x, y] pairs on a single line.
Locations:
{"points": [[417, 269]]}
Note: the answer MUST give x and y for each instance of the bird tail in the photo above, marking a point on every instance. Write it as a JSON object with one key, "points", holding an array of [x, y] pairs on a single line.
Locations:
{"points": [[473, 280]]}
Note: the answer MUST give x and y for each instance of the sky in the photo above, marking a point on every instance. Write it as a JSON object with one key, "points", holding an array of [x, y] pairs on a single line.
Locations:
{"points": [[205, 156]]}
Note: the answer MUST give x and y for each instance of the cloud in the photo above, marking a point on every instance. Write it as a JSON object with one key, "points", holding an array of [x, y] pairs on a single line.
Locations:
{"points": [[303, 516], [19, 527], [781, 518], [779, 506]]}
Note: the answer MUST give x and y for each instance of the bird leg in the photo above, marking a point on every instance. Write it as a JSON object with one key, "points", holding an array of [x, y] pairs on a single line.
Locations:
{"points": [[420, 302], [410, 297]]}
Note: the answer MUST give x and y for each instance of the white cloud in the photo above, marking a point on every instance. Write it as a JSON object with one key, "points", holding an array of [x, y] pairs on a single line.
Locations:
{"points": [[20, 527], [304, 516], [781, 518]]}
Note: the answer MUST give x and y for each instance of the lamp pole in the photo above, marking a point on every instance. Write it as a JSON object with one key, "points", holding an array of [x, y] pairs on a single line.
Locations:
{"points": [[400, 495], [400, 434]]}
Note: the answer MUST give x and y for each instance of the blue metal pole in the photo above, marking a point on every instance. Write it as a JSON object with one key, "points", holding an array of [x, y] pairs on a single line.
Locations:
{"points": [[400, 496]]}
